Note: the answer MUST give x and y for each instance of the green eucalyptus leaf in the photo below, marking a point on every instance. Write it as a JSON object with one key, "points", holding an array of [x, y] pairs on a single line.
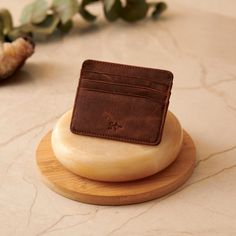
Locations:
{"points": [[65, 9], [6, 19], [112, 9], [47, 26], [87, 15], [159, 8], [37, 19], [65, 28], [17, 33], [84, 12], [134, 10], [35, 12]]}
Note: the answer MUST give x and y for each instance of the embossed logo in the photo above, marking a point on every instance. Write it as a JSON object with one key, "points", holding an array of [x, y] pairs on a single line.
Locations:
{"points": [[111, 123]]}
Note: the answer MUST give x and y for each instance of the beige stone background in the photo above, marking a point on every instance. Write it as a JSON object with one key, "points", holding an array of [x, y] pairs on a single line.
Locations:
{"points": [[193, 39]]}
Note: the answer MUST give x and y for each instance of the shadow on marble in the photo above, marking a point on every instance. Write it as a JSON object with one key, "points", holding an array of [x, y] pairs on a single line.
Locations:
{"points": [[19, 77], [84, 29], [30, 73]]}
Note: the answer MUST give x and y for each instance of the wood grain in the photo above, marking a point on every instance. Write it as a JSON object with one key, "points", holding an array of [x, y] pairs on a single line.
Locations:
{"points": [[72, 186]]}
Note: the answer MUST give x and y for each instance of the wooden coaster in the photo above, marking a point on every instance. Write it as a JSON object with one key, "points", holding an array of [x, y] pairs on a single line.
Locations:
{"points": [[72, 186]]}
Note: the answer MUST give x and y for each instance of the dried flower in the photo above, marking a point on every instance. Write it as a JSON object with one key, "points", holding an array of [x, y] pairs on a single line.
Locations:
{"points": [[13, 55]]}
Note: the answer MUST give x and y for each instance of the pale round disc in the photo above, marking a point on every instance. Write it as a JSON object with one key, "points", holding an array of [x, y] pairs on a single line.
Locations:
{"points": [[72, 186], [113, 161]]}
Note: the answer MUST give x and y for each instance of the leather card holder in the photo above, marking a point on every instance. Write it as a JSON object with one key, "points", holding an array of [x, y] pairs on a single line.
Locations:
{"points": [[121, 102]]}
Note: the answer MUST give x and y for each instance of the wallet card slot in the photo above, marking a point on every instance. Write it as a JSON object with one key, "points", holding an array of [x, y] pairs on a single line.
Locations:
{"points": [[114, 88], [123, 87], [100, 67], [161, 105], [126, 81], [121, 102]]}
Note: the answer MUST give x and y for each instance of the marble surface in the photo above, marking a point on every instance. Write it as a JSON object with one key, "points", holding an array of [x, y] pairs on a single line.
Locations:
{"points": [[196, 41]]}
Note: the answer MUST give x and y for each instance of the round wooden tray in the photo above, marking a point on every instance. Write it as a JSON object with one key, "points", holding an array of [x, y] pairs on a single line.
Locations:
{"points": [[72, 186]]}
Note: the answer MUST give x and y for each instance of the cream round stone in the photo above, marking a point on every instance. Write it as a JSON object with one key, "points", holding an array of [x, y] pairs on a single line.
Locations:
{"points": [[108, 160]]}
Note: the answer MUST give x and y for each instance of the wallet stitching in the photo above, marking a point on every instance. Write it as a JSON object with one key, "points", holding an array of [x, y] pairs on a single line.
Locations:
{"points": [[126, 85], [127, 67], [130, 95], [128, 76]]}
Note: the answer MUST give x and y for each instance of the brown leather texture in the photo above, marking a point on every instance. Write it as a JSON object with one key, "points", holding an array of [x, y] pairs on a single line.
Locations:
{"points": [[121, 102]]}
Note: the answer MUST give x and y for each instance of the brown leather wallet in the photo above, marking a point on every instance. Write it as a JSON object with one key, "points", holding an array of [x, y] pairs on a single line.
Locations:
{"points": [[121, 102]]}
